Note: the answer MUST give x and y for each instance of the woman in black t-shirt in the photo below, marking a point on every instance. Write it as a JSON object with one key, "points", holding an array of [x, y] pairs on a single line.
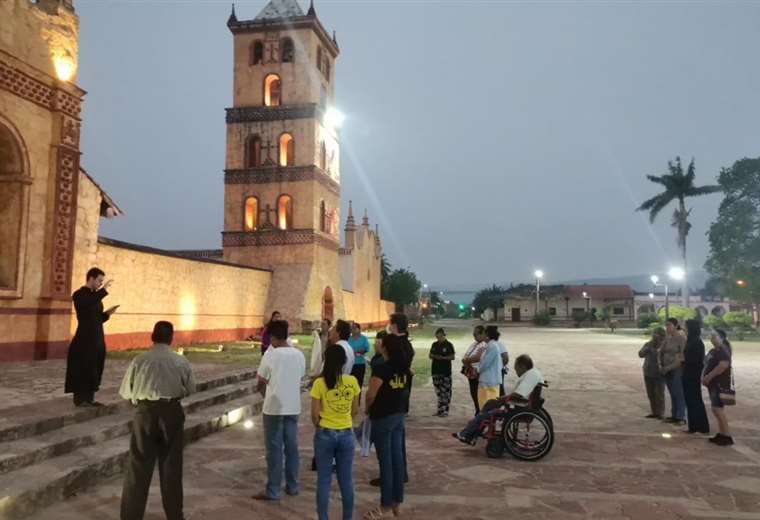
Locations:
{"points": [[717, 378], [442, 354], [386, 402]]}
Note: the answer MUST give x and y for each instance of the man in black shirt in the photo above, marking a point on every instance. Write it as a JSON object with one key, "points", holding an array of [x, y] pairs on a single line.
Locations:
{"points": [[442, 354]]}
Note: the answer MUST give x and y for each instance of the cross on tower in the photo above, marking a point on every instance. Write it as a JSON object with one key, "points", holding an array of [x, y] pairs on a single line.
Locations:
{"points": [[267, 220], [268, 147]]}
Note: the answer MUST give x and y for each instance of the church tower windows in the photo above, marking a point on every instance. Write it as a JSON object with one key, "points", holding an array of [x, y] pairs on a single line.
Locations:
{"points": [[287, 50], [322, 217], [287, 150], [285, 212], [251, 214], [253, 152], [323, 156], [272, 90], [257, 52]]}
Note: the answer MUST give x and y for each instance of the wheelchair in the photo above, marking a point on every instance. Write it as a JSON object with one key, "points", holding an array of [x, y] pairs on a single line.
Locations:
{"points": [[524, 430]]}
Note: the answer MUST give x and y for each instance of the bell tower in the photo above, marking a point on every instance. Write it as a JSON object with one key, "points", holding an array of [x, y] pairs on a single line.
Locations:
{"points": [[282, 172]]}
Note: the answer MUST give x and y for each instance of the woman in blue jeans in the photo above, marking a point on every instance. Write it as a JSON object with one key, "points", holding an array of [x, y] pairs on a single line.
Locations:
{"points": [[334, 403], [386, 405]]}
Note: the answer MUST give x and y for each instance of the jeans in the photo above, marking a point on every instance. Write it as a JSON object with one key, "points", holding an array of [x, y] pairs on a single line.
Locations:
{"points": [[473, 427], [335, 445], [674, 382], [281, 434], [388, 436]]}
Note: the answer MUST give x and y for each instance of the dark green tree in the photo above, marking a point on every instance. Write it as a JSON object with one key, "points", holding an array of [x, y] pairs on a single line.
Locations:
{"points": [[678, 187], [735, 236], [385, 268], [401, 287], [489, 298]]}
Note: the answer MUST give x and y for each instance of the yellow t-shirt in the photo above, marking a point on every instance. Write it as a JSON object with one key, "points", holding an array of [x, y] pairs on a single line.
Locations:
{"points": [[336, 403]]}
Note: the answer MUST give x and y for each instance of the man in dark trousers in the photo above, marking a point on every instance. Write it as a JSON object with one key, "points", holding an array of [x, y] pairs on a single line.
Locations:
{"points": [[155, 382], [87, 351]]}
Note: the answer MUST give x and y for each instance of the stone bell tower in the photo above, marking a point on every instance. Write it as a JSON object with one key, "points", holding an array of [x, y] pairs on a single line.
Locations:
{"points": [[282, 176]]}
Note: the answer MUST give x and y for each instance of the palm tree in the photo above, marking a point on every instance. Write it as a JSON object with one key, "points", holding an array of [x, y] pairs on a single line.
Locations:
{"points": [[678, 186], [385, 268]]}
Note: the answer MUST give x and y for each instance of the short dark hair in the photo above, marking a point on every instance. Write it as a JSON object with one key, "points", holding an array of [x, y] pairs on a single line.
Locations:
{"points": [[478, 329], [492, 331], [525, 361], [674, 321], [356, 324], [328, 320], [381, 334], [343, 328], [278, 329], [440, 330], [94, 273], [163, 332], [400, 320]]}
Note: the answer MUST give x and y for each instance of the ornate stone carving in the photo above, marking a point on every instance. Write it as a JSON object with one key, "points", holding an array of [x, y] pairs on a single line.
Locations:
{"points": [[276, 237], [70, 131], [37, 92], [265, 175], [278, 113], [64, 220]]}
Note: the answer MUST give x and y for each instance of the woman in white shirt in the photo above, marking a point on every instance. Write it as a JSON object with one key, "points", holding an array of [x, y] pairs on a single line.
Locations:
{"points": [[470, 363]]}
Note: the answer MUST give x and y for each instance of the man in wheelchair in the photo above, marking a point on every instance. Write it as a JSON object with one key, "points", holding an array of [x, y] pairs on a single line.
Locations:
{"points": [[528, 385]]}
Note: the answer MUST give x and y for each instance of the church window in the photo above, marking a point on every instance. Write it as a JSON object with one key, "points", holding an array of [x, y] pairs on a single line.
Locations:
{"points": [[322, 217], [272, 90], [323, 156], [287, 150], [251, 214], [288, 51], [285, 212], [257, 52], [327, 69], [14, 183], [253, 152], [319, 58]]}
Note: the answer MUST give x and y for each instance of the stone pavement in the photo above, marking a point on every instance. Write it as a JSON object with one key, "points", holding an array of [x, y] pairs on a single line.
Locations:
{"points": [[608, 462]]}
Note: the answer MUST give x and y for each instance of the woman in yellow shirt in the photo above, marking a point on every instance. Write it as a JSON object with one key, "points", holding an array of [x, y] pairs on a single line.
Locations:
{"points": [[334, 403]]}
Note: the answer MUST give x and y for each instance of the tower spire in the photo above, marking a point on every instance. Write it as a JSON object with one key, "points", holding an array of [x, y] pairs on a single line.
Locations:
{"points": [[311, 11], [233, 17], [365, 218], [350, 223]]}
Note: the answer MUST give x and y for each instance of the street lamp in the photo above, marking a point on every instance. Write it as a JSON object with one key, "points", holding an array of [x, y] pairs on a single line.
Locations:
{"points": [[741, 283], [538, 274], [588, 300], [676, 273]]}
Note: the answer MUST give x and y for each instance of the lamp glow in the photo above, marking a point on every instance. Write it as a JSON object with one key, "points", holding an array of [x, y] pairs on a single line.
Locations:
{"points": [[248, 424], [64, 66], [585, 294], [740, 283], [676, 273], [539, 273], [334, 118], [655, 279], [651, 296], [666, 436]]}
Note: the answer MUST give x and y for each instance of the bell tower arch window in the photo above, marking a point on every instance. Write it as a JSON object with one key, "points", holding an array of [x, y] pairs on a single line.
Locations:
{"points": [[322, 216], [323, 156], [287, 150], [285, 212], [251, 219], [287, 51], [257, 53], [253, 152], [272, 90]]}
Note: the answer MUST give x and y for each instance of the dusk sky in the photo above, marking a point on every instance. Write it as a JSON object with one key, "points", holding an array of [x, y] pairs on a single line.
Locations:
{"points": [[486, 138]]}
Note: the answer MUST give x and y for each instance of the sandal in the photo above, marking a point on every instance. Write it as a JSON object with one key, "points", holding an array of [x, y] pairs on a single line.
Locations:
{"points": [[375, 514], [397, 510]]}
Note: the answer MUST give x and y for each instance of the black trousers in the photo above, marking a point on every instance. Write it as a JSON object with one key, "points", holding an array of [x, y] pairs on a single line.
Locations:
{"points": [[157, 434], [474, 383], [695, 406], [358, 372]]}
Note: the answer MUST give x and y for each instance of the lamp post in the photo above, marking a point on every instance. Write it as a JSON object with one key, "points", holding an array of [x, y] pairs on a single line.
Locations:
{"points": [[656, 282], [538, 274], [588, 300]]}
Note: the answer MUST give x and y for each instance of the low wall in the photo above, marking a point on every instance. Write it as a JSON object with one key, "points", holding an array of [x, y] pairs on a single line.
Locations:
{"points": [[206, 300], [370, 314]]}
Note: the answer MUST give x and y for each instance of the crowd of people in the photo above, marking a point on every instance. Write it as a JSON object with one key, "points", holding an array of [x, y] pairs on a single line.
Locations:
{"points": [[675, 359]]}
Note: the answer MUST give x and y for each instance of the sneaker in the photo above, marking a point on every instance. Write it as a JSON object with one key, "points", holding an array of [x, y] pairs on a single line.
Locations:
{"points": [[461, 438], [445, 414], [725, 440], [715, 437], [652, 416]]}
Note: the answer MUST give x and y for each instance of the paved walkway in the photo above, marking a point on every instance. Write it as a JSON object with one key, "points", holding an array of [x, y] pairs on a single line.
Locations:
{"points": [[607, 463]]}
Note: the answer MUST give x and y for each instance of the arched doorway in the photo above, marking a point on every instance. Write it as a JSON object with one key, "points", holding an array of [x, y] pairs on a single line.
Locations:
{"points": [[328, 307]]}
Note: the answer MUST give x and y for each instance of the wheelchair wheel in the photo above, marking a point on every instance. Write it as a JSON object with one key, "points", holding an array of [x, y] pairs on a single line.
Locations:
{"points": [[547, 417], [528, 435], [495, 448]]}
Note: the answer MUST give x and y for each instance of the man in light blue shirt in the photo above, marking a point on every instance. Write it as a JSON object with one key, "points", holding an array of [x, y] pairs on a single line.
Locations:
{"points": [[490, 369], [360, 344]]}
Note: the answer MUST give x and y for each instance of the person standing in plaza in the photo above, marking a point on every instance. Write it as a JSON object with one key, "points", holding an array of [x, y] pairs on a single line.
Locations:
{"points": [[470, 363], [87, 351], [360, 345], [671, 368], [490, 369], [280, 373], [266, 336], [653, 382], [155, 382], [694, 358], [386, 396], [442, 354], [339, 335], [334, 404], [718, 378]]}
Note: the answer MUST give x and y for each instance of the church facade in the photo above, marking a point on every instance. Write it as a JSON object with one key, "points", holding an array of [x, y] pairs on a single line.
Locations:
{"points": [[280, 247]]}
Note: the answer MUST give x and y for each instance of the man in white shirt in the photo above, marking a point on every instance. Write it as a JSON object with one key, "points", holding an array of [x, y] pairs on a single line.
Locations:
{"points": [[280, 373], [339, 335], [529, 378]]}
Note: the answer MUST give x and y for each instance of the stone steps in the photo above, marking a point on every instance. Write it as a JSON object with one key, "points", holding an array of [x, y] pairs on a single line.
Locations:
{"points": [[80, 447], [32, 450]]}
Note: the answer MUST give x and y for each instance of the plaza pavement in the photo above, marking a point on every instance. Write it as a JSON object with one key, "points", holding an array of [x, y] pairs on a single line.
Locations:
{"points": [[608, 462]]}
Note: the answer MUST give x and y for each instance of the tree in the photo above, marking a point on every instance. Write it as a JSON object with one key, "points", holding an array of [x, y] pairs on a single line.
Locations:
{"points": [[489, 298], [402, 287], [678, 187], [680, 313], [739, 322], [735, 235], [385, 268]]}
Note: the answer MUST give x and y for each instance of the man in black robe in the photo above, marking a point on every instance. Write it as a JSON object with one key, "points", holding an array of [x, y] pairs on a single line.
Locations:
{"points": [[87, 352]]}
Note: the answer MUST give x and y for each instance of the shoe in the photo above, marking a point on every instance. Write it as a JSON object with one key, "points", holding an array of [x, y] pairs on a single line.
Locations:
{"points": [[292, 493], [652, 416], [445, 414], [264, 497], [669, 420], [84, 404], [96, 404], [461, 438], [724, 440], [437, 414], [715, 437]]}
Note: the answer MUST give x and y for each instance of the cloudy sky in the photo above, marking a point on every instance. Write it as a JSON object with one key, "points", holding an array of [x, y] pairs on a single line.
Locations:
{"points": [[487, 138]]}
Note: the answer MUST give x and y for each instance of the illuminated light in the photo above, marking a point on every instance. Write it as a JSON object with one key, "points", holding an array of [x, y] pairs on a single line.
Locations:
{"points": [[666, 436], [248, 424], [676, 273], [333, 118], [585, 294], [181, 351], [651, 296], [187, 311], [64, 66], [472, 308], [539, 273], [655, 279], [740, 283], [234, 416]]}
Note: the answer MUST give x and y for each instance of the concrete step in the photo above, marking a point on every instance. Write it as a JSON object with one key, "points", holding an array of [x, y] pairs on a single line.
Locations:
{"points": [[33, 450], [32, 488], [58, 413]]}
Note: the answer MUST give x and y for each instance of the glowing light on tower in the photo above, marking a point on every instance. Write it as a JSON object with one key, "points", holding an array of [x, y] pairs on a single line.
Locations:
{"points": [[64, 65]]}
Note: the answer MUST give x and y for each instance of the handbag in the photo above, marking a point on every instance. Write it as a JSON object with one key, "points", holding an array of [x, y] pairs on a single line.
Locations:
{"points": [[726, 388]]}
